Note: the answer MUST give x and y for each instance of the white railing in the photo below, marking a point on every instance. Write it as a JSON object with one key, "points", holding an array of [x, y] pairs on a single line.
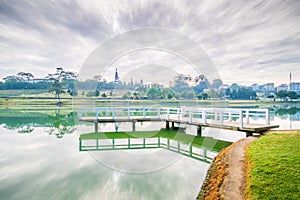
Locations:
{"points": [[187, 114]]}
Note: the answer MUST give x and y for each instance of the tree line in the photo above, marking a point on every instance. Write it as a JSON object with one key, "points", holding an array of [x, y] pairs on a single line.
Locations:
{"points": [[183, 87]]}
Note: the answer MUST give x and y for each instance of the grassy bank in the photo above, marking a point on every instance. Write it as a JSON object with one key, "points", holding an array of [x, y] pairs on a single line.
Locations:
{"points": [[273, 167], [80, 101]]}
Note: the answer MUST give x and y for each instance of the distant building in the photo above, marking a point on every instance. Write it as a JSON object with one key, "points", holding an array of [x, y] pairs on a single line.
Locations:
{"points": [[151, 84], [116, 77], [282, 87], [295, 87], [269, 87], [255, 87]]}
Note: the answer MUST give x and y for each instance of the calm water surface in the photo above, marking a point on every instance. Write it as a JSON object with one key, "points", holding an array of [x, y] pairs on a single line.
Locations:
{"points": [[41, 159]]}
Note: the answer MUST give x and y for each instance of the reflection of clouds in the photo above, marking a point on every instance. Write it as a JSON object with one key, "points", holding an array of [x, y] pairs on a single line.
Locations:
{"points": [[42, 166], [257, 40]]}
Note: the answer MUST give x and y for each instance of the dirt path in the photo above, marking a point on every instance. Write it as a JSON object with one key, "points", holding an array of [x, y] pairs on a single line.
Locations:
{"points": [[233, 187], [226, 175]]}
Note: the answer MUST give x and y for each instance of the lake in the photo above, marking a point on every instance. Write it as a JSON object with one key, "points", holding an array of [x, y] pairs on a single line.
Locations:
{"points": [[47, 154]]}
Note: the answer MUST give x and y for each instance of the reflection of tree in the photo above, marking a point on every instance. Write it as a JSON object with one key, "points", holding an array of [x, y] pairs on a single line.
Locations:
{"points": [[61, 130], [26, 129], [287, 111], [25, 122], [61, 124]]}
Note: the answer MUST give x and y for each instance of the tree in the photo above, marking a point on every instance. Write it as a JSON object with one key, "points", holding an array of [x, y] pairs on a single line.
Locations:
{"points": [[217, 83], [188, 94], [168, 93], [282, 94], [154, 93], [25, 76], [58, 88], [181, 82], [293, 95], [204, 96], [60, 79]]}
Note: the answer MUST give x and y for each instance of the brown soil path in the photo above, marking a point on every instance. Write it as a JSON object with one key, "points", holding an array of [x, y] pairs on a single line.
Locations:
{"points": [[226, 175]]}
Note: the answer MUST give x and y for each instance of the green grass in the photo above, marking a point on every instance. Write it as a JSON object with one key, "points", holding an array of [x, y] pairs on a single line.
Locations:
{"points": [[208, 142], [274, 167]]}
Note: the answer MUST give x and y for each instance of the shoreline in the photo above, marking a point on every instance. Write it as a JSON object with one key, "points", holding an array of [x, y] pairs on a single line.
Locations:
{"points": [[225, 177], [228, 176]]}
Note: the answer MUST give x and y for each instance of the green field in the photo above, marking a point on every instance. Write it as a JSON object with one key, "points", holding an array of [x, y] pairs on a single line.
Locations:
{"points": [[274, 167]]}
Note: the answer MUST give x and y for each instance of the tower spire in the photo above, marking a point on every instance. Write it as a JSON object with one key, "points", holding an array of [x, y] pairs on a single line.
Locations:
{"points": [[116, 76]]}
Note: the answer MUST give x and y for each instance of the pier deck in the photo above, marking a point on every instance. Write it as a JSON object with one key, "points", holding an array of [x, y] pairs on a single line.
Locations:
{"points": [[230, 119]]}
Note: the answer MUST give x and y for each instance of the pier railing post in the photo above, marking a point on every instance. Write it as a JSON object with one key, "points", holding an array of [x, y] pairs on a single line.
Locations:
{"points": [[158, 113], [229, 116], [113, 113], [267, 117], [128, 111], [80, 114], [178, 113], [144, 113], [247, 116], [97, 113], [221, 117], [168, 113], [241, 118], [204, 116], [190, 116]]}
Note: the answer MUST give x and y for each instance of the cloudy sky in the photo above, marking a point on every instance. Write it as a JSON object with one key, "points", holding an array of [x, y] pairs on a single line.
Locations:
{"points": [[247, 41]]}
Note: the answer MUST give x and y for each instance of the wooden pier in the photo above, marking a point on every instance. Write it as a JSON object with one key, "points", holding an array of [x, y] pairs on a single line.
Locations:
{"points": [[246, 120]]}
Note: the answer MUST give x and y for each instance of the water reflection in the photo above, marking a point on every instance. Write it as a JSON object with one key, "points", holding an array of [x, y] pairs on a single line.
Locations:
{"points": [[147, 148], [52, 121], [36, 166]]}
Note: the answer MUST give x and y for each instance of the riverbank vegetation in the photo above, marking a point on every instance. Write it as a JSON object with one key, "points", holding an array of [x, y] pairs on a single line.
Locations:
{"points": [[273, 167]]}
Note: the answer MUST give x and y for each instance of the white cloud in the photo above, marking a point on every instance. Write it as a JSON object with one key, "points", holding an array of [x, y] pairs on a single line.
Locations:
{"points": [[249, 41]]}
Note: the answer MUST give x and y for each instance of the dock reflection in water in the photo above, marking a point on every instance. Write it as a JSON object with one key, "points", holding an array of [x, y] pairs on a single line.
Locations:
{"points": [[115, 149]]}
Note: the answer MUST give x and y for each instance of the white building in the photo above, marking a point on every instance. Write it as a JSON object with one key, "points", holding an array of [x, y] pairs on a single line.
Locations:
{"points": [[282, 87], [269, 87], [255, 87], [295, 87]]}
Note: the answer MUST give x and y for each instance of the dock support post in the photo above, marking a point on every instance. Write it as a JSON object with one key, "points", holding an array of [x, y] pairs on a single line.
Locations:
{"points": [[248, 134], [199, 131], [96, 127], [133, 126], [173, 124], [167, 125]]}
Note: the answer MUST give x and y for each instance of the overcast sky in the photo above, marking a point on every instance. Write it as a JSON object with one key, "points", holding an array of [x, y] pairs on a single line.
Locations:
{"points": [[247, 41]]}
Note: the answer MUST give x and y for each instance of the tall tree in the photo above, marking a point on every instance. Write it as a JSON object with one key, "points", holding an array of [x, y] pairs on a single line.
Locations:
{"points": [[60, 80], [217, 83]]}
